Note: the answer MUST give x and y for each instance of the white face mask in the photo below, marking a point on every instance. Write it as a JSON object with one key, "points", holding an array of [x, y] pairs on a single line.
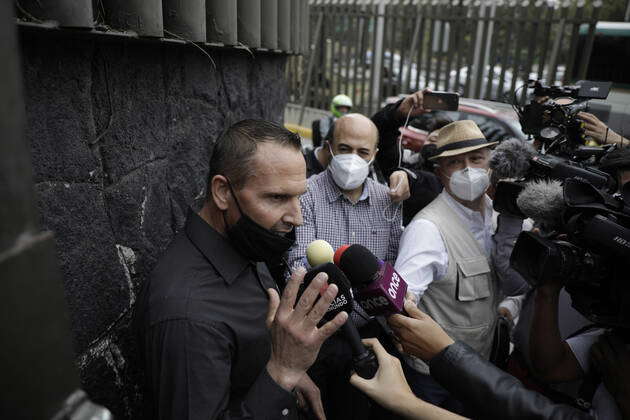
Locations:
{"points": [[469, 184], [348, 170]]}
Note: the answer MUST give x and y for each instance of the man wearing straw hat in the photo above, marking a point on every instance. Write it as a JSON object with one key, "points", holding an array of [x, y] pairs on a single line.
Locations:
{"points": [[445, 252]]}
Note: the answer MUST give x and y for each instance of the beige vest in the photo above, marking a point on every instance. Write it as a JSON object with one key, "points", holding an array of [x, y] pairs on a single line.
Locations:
{"points": [[464, 302]]}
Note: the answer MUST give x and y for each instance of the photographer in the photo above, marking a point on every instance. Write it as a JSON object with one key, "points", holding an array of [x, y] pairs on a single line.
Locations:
{"points": [[484, 389]]}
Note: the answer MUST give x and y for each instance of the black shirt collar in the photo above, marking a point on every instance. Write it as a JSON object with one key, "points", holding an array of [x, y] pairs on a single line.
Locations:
{"points": [[215, 247]]}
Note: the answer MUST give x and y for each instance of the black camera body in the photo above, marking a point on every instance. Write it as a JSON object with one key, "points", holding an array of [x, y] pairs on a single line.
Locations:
{"points": [[552, 116], [589, 251]]}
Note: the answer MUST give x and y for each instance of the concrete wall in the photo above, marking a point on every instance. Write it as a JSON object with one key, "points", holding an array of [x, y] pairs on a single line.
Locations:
{"points": [[120, 134]]}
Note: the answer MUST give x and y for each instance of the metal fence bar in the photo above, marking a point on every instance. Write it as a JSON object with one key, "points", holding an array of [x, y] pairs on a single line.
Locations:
{"points": [[480, 62], [575, 33], [365, 23], [309, 74], [471, 50], [440, 44], [460, 50], [546, 38], [533, 41], [452, 38], [492, 62], [507, 41], [553, 64], [422, 19], [588, 45], [376, 63]]}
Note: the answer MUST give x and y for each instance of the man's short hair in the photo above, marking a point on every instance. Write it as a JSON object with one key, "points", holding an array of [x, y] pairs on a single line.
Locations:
{"points": [[235, 149]]}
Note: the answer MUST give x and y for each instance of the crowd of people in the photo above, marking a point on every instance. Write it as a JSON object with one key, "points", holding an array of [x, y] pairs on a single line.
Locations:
{"points": [[227, 330]]}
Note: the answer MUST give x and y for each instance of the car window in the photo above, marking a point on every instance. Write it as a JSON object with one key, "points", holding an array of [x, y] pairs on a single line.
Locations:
{"points": [[491, 128]]}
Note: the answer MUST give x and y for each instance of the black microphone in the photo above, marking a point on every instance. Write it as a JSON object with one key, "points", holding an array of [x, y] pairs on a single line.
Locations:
{"points": [[381, 289], [364, 360]]}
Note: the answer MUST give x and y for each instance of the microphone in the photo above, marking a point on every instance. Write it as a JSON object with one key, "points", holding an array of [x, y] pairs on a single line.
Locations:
{"points": [[319, 252], [543, 201], [364, 360], [381, 289], [511, 159]]}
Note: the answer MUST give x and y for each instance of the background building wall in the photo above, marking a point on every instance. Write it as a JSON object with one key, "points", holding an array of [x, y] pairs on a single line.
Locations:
{"points": [[121, 133]]}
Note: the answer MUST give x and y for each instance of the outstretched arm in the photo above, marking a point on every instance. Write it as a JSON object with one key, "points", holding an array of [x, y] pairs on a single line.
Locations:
{"points": [[390, 389]]}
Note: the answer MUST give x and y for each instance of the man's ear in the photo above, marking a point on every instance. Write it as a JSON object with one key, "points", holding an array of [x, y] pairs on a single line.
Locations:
{"points": [[220, 191]]}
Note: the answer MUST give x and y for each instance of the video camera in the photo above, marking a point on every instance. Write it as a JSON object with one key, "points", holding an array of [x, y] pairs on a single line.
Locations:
{"points": [[590, 250], [586, 224], [551, 117]]}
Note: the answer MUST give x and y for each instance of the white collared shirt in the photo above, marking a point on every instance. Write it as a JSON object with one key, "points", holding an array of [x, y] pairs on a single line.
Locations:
{"points": [[422, 255]]}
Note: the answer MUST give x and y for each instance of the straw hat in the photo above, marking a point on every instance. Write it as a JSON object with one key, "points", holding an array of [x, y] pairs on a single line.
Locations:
{"points": [[460, 137]]}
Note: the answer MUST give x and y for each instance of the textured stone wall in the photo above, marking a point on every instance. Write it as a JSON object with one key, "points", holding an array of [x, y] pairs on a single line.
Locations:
{"points": [[120, 134]]}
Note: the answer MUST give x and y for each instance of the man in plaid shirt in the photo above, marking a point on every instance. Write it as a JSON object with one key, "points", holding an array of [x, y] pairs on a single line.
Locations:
{"points": [[343, 206]]}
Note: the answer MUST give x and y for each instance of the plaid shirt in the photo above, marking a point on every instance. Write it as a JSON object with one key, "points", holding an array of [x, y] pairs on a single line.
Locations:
{"points": [[330, 216]]}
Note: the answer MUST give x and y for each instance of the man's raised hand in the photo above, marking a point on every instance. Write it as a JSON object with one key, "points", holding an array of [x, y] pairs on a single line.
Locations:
{"points": [[295, 337]]}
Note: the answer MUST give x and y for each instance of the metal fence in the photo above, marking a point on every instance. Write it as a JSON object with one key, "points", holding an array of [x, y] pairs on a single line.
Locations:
{"points": [[373, 49]]}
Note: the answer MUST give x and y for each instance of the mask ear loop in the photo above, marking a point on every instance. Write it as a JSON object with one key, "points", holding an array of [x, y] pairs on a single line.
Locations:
{"points": [[392, 207]]}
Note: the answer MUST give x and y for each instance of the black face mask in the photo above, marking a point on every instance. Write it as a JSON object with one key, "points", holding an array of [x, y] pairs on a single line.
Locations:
{"points": [[254, 241]]}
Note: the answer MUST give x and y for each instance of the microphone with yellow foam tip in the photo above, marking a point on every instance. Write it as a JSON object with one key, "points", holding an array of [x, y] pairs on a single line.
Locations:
{"points": [[319, 252]]}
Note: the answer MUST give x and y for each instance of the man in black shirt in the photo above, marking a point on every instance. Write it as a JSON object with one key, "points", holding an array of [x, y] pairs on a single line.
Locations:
{"points": [[217, 341]]}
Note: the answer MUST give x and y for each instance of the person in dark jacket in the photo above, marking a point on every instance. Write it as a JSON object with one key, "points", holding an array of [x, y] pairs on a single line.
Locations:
{"points": [[423, 185], [484, 389]]}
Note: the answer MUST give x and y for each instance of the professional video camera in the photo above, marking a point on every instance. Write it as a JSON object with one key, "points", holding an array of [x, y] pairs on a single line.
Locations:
{"points": [[589, 249], [551, 117], [518, 161]]}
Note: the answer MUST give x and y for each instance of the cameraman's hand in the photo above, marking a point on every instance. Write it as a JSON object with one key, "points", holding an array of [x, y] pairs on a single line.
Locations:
{"points": [[596, 129], [414, 100], [612, 358], [418, 333], [295, 337]]}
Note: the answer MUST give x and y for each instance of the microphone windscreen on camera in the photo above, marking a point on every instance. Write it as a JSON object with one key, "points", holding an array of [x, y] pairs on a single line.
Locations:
{"points": [[343, 300], [542, 201], [510, 159], [319, 252]]}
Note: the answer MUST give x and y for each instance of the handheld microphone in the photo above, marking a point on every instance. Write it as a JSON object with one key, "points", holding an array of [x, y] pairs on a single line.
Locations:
{"points": [[319, 252], [363, 359], [381, 289]]}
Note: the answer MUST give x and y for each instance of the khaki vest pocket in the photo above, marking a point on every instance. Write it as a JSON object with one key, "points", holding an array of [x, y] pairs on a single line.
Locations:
{"points": [[473, 279]]}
